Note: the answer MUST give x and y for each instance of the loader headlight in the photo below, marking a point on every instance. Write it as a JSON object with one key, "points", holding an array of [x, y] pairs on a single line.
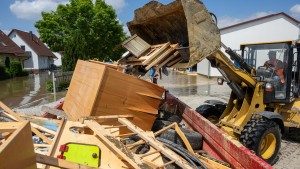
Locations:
{"points": [[220, 81], [269, 87]]}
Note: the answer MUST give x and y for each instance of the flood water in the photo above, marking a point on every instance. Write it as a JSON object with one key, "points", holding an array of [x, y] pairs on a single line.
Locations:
{"points": [[26, 91], [30, 91], [180, 84]]}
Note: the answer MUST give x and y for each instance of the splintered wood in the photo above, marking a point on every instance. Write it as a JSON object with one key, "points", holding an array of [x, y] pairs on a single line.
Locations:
{"points": [[156, 55], [97, 89]]}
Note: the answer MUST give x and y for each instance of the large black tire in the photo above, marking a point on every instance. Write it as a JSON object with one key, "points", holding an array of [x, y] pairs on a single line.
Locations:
{"points": [[212, 110], [194, 138], [263, 137]]}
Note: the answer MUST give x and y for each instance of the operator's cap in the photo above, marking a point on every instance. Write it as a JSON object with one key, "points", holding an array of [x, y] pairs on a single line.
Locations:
{"points": [[272, 53]]}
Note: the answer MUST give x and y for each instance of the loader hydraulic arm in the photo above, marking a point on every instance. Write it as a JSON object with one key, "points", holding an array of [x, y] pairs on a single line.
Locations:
{"points": [[236, 78]]}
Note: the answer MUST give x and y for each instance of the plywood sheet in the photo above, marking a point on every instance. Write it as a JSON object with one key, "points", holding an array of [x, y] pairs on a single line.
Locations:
{"points": [[17, 150], [97, 90]]}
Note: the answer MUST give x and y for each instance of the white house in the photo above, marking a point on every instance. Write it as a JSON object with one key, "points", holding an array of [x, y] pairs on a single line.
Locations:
{"points": [[275, 27], [41, 56]]}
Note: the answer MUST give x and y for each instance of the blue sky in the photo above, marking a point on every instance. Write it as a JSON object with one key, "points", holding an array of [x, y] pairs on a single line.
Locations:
{"points": [[22, 14]]}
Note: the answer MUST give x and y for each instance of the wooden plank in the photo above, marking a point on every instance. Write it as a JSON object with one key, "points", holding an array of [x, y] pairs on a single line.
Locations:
{"points": [[174, 62], [159, 58], [41, 145], [40, 135], [102, 134], [56, 137], [12, 113], [18, 118], [183, 138], [156, 144], [81, 96], [112, 66], [175, 54], [51, 161], [41, 128], [136, 45], [156, 53], [106, 118], [162, 57], [210, 164], [17, 150]]}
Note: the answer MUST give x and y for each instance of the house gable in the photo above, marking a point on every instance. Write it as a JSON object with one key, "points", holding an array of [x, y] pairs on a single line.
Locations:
{"points": [[7, 46], [34, 43]]}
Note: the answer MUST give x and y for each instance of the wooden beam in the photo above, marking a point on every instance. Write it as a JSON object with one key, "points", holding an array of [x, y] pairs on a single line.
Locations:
{"points": [[156, 53], [102, 134], [41, 145], [10, 112], [167, 60], [105, 118], [159, 58], [51, 161], [174, 62], [18, 118], [41, 128], [58, 135], [156, 144]]}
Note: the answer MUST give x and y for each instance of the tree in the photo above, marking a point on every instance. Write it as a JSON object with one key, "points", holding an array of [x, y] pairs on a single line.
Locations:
{"points": [[82, 30]]}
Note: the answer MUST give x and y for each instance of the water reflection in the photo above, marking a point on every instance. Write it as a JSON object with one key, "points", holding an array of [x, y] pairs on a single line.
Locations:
{"points": [[23, 90], [180, 84]]}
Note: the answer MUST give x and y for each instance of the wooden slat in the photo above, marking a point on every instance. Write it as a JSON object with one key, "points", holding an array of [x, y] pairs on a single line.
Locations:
{"points": [[51, 161], [102, 134], [18, 118], [175, 54], [12, 113], [56, 137], [163, 56], [156, 53], [174, 62], [159, 58], [156, 144], [40, 135], [106, 118], [41, 128]]}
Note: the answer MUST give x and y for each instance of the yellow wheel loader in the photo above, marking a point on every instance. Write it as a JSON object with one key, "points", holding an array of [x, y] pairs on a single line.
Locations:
{"points": [[264, 99]]}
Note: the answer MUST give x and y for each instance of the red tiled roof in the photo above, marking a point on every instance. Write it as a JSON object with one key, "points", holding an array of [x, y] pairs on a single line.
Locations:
{"points": [[257, 19], [8, 46], [34, 43]]}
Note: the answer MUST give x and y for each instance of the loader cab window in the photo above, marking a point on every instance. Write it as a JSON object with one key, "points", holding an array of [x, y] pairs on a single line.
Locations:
{"points": [[271, 63]]}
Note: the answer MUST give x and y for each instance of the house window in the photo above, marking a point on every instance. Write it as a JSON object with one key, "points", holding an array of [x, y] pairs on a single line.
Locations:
{"points": [[23, 47]]}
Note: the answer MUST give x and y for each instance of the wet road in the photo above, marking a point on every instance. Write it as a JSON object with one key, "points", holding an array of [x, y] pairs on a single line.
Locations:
{"points": [[194, 89], [26, 91]]}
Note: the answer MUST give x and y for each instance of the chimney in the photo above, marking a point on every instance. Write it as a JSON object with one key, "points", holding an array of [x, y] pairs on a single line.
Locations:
{"points": [[31, 35]]}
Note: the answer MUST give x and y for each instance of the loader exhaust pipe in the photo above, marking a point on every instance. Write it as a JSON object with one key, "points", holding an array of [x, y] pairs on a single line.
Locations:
{"points": [[234, 56]]}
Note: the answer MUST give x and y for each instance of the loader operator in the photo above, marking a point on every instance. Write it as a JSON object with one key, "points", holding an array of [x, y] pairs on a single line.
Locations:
{"points": [[276, 64]]}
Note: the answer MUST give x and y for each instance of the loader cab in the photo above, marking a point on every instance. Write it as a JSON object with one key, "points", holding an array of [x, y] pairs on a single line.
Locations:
{"points": [[276, 67]]}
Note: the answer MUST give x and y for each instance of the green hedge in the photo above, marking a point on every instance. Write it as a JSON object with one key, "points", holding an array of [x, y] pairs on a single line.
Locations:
{"points": [[3, 72], [63, 85], [16, 69]]}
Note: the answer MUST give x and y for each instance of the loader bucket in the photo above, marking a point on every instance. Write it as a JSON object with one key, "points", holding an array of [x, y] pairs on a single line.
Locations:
{"points": [[186, 22]]}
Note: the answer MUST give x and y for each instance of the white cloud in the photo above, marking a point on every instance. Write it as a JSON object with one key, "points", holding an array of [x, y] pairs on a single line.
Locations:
{"points": [[118, 5], [228, 21], [26, 9], [295, 11], [225, 21]]}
